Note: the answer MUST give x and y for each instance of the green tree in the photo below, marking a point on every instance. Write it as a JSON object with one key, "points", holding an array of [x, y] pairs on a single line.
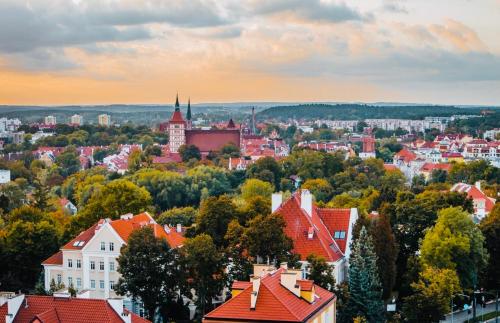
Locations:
{"points": [[241, 263], [205, 267], [265, 239], [208, 181], [68, 161], [266, 169], [189, 152], [178, 215], [456, 243], [214, 216], [135, 159], [438, 176], [41, 194], [255, 187], [320, 188], [365, 289], [148, 268], [115, 198], [320, 272], [432, 295], [490, 227], [12, 196]]}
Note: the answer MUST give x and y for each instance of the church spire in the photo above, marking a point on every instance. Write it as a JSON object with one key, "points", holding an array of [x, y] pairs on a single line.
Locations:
{"points": [[188, 113], [177, 106]]}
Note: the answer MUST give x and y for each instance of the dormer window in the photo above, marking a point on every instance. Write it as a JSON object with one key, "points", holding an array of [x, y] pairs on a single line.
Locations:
{"points": [[339, 235]]}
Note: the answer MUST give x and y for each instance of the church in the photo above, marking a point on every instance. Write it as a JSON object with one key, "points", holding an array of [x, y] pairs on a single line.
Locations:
{"points": [[181, 132]]}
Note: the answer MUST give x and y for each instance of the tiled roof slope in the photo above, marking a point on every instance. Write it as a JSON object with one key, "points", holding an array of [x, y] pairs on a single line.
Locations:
{"points": [[275, 303], [323, 222], [49, 309]]}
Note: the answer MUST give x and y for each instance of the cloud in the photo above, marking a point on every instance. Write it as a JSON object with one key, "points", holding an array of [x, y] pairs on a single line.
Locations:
{"points": [[459, 35], [394, 6], [311, 11]]}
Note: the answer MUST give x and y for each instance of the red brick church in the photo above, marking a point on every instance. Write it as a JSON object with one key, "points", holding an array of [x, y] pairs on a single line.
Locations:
{"points": [[181, 132]]}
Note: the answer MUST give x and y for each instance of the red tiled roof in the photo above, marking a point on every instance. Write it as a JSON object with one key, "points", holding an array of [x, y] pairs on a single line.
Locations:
{"points": [[177, 117], [306, 285], [49, 309], [475, 194], [275, 303], [297, 227], [406, 155], [336, 220], [213, 139], [83, 237], [451, 155], [429, 167], [241, 284], [55, 259]]}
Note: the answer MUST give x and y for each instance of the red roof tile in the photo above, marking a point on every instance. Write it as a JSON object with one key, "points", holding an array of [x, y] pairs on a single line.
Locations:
{"points": [[241, 285], [49, 309], [405, 155], [337, 220], [177, 117], [275, 303], [55, 259], [213, 139]]}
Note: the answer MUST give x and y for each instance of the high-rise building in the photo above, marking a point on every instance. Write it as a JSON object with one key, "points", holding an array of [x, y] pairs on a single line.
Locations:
{"points": [[76, 119], [104, 120], [50, 120]]}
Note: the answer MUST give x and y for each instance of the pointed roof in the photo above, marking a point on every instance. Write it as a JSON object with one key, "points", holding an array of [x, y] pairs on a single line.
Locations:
{"points": [[177, 106], [230, 124], [188, 113], [275, 303]]}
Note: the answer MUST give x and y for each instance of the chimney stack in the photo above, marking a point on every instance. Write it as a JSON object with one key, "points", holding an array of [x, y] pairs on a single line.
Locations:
{"points": [[478, 185], [306, 201], [277, 199], [179, 228], [289, 281], [255, 291]]}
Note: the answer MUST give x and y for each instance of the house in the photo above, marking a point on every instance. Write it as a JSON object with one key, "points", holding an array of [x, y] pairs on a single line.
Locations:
{"points": [[276, 295], [483, 204], [88, 262], [408, 163], [65, 309], [68, 206], [325, 232], [452, 157], [427, 169]]}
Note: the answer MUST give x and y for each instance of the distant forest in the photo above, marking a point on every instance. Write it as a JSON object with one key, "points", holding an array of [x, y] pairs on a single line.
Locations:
{"points": [[363, 111]]}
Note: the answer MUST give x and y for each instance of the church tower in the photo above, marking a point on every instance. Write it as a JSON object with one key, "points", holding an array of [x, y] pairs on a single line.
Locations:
{"points": [[189, 122], [176, 128]]}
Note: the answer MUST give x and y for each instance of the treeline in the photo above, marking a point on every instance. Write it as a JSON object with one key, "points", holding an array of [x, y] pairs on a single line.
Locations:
{"points": [[361, 111]]}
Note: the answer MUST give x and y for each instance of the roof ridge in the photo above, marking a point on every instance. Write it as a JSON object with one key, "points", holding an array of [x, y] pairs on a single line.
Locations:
{"points": [[278, 299]]}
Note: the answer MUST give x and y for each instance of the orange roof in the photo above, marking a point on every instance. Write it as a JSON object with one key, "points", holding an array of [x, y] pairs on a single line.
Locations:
{"points": [[241, 285], [324, 223], [405, 155], [275, 303], [390, 167], [123, 227], [51, 309], [475, 194], [55, 259], [306, 285], [429, 167]]}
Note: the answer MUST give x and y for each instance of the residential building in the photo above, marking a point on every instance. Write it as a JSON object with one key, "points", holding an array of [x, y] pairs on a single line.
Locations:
{"points": [[427, 169], [4, 176], [76, 120], [483, 204], [491, 134], [368, 148], [104, 120], [9, 125], [276, 295], [68, 206], [88, 262], [61, 308], [50, 121], [325, 232]]}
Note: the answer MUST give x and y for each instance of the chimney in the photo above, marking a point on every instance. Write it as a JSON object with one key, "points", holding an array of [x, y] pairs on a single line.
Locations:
{"points": [[167, 228], [284, 265], [289, 281], [255, 291], [310, 233], [277, 199], [127, 216], [478, 185], [179, 228], [306, 201], [117, 305]]}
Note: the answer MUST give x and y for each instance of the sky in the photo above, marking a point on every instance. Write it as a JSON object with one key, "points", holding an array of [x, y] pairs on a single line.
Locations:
{"points": [[55, 52]]}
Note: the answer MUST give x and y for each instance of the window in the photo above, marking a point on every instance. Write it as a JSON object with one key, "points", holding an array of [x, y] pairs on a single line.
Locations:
{"points": [[70, 281], [111, 266], [70, 263], [78, 283], [101, 284], [78, 263], [92, 265], [59, 278], [103, 246], [339, 235], [101, 265], [111, 246], [92, 284], [111, 285]]}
